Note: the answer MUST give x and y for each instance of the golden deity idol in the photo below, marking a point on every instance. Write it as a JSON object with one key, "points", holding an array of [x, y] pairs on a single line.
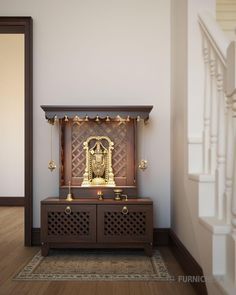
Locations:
{"points": [[98, 170], [98, 161]]}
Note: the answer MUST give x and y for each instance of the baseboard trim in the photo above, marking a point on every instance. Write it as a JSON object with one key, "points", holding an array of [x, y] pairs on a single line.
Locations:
{"points": [[12, 201], [188, 263], [160, 236], [35, 236]]}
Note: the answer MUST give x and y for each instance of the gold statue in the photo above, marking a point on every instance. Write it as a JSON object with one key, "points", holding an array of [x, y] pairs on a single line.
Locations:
{"points": [[98, 163], [98, 170]]}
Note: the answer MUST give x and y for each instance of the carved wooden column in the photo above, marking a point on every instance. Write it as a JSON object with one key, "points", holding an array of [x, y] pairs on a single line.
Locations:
{"points": [[86, 173]]}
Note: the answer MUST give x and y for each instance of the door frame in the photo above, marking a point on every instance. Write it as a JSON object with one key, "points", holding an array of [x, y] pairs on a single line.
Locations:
{"points": [[14, 25]]}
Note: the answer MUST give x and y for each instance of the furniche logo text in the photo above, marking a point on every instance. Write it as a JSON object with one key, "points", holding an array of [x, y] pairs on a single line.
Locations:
{"points": [[193, 279]]}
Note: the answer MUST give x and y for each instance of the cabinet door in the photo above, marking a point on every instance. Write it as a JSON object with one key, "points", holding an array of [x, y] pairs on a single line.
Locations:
{"points": [[68, 223], [125, 223]]}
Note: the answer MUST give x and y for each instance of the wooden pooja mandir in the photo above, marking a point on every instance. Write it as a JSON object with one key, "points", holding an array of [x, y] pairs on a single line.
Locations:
{"points": [[97, 169]]}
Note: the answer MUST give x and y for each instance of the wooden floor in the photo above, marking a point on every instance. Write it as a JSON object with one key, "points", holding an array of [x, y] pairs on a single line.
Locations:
{"points": [[13, 256]]}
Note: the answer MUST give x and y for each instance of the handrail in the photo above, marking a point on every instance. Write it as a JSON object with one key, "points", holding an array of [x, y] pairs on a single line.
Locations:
{"points": [[214, 34]]}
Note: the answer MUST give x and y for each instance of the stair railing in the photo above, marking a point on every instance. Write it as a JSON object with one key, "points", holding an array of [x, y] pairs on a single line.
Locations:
{"points": [[219, 110]]}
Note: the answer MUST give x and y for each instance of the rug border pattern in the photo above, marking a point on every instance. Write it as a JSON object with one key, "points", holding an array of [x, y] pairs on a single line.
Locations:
{"points": [[26, 274]]}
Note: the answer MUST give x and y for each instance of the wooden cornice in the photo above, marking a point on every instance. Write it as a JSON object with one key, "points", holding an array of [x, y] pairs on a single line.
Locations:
{"points": [[102, 111]]}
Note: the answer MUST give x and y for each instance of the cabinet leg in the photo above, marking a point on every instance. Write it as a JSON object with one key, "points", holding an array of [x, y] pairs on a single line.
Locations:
{"points": [[148, 250], [44, 249]]}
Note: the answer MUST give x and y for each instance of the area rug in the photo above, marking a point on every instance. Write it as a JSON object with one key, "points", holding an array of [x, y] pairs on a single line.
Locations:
{"points": [[89, 265]]}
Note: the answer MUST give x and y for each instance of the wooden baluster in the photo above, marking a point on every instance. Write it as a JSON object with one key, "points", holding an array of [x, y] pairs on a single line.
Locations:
{"points": [[220, 170], [233, 210], [229, 159], [213, 127], [207, 109]]}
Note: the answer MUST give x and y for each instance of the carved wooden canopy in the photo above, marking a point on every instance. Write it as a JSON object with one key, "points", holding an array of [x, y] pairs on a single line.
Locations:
{"points": [[60, 111]]}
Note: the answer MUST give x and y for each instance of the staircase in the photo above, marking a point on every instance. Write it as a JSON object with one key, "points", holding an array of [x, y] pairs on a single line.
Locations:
{"points": [[226, 16], [213, 192]]}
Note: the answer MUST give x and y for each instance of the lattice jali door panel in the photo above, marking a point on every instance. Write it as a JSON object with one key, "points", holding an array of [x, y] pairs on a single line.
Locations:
{"points": [[119, 222], [123, 155], [77, 223], [73, 224]]}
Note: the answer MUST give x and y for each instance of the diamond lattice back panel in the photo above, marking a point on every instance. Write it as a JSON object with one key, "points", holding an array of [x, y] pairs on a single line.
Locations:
{"points": [[118, 224], [74, 224], [115, 131]]}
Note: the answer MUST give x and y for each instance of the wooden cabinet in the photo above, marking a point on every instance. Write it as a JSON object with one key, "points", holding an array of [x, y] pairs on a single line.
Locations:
{"points": [[90, 223]]}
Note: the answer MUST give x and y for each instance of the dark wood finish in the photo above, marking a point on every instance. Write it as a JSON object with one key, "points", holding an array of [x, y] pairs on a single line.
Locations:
{"points": [[12, 201], [25, 25], [189, 264], [91, 192], [66, 150], [36, 239], [92, 111], [89, 201], [161, 236], [14, 29], [84, 224], [131, 156]]}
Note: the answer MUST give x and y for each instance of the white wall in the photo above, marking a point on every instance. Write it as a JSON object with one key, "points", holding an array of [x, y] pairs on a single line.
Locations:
{"points": [[102, 52], [12, 115], [181, 222]]}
